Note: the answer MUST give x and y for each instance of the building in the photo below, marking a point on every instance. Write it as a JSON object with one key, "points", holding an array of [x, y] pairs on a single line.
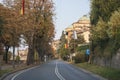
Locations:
{"points": [[55, 46], [82, 27], [23, 54]]}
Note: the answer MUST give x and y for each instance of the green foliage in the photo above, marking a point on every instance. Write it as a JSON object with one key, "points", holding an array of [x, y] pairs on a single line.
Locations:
{"points": [[114, 25], [17, 58], [100, 31], [73, 45], [62, 50], [100, 34], [102, 9], [114, 31], [79, 58], [64, 54], [105, 19], [80, 48]]}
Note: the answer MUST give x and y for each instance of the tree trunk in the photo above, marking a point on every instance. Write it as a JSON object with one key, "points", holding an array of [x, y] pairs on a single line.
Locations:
{"points": [[13, 56], [6, 54], [1, 60], [1, 49], [30, 56], [1, 54]]}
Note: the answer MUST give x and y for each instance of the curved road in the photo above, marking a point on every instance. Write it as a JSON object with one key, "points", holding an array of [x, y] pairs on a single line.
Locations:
{"points": [[55, 70]]}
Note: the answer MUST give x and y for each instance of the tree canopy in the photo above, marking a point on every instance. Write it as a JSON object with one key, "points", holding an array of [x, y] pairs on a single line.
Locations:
{"points": [[36, 25], [105, 19], [102, 9]]}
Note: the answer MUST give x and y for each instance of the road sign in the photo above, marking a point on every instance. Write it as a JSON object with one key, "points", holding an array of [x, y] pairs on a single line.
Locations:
{"points": [[88, 51]]}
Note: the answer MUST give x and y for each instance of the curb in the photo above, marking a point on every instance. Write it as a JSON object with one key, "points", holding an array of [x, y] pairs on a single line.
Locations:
{"points": [[14, 71]]}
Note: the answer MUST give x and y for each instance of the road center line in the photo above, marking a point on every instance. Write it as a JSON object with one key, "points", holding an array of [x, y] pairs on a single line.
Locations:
{"points": [[58, 74]]}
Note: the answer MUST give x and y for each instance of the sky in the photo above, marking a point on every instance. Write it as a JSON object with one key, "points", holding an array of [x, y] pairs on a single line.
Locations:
{"points": [[68, 12]]}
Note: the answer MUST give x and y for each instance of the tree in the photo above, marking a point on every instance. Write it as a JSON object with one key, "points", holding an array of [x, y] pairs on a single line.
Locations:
{"points": [[1, 31], [8, 32], [102, 31], [43, 28], [9, 55], [74, 43], [114, 29], [64, 52], [12, 30], [102, 9], [36, 25], [100, 15], [114, 25]]}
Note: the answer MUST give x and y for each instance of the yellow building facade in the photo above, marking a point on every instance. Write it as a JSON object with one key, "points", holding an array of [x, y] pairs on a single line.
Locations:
{"points": [[82, 27]]}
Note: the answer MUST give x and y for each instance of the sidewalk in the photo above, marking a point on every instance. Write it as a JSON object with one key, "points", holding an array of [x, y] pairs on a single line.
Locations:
{"points": [[12, 71]]}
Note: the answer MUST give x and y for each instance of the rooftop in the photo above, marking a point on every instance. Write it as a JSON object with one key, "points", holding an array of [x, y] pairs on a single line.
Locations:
{"points": [[85, 17]]}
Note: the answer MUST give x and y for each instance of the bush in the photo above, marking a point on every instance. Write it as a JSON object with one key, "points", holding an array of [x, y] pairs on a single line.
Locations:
{"points": [[17, 58], [79, 58], [65, 58]]}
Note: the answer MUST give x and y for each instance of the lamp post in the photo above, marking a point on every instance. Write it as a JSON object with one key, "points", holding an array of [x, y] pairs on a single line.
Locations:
{"points": [[73, 38], [74, 35]]}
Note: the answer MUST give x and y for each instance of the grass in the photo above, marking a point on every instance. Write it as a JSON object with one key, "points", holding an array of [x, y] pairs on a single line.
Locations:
{"points": [[109, 73], [2, 72]]}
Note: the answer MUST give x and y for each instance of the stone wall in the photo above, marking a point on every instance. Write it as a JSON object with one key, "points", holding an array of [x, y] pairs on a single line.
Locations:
{"points": [[114, 62]]}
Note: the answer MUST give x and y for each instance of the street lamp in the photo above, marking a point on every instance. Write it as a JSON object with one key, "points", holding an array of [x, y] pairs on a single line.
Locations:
{"points": [[74, 35]]}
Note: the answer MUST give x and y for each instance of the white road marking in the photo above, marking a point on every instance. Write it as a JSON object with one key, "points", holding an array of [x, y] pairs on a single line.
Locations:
{"points": [[13, 78], [58, 74]]}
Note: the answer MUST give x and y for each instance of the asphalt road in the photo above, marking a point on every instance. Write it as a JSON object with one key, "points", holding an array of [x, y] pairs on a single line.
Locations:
{"points": [[55, 70]]}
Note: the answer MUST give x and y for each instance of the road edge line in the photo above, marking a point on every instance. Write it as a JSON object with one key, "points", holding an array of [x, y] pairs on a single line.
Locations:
{"points": [[22, 72]]}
